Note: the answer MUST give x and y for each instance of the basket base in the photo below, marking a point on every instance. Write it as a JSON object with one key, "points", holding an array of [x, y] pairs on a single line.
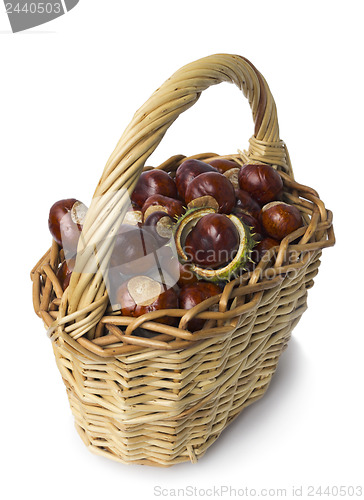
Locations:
{"points": [[192, 455], [225, 410]]}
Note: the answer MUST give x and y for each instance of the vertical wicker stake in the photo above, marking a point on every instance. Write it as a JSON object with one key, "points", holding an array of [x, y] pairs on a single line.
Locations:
{"points": [[166, 399]]}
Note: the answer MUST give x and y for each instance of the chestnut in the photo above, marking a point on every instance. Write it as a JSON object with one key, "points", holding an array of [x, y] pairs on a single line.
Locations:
{"points": [[66, 218], [134, 250], [216, 248], [160, 225], [174, 208], [64, 272], [250, 221], [215, 185], [193, 294], [262, 247], [170, 266], [141, 295], [187, 171], [167, 270], [222, 165], [186, 275], [262, 182], [212, 242], [279, 219], [153, 182], [247, 203]]}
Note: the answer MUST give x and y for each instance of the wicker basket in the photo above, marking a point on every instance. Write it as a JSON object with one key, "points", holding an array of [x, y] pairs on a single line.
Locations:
{"points": [[166, 399]]}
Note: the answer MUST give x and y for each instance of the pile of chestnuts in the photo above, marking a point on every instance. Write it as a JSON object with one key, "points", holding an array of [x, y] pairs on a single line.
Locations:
{"points": [[185, 234]]}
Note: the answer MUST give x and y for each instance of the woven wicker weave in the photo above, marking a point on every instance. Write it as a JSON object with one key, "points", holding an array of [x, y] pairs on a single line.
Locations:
{"points": [[166, 399]]}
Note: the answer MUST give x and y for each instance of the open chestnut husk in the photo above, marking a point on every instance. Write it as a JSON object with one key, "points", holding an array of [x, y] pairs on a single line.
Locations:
{"points": [[280, 219], [158, 202], [187, 171], [219, 248], [153, 182], [193, 294], [134, 251], [213, 241], [160, 225], [261, 181], [142, 294], [215, 185], [65, 222]]}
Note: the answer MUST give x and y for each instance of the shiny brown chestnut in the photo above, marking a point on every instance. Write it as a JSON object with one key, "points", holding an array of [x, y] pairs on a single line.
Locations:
{"points": [[280, 219], [187, 171], [213, 241], [247, 203], [64, 272], [141, 295], [193, 294], [262, 182], [186, 275], [160, 226], [222, 165], [153, 182], [66, 218], [263, 247], [158, 202], [215, 185], [134, 251]]}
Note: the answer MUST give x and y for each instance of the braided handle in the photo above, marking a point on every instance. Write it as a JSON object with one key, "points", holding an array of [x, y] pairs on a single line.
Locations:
{"points": [[86, 299]]}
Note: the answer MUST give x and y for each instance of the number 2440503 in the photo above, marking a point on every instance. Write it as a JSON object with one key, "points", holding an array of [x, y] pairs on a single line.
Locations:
{"points": [[34, 8]]}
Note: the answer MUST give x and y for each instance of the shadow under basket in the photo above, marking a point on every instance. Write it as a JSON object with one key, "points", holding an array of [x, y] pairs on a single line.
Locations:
{"points": [[164, 398]]}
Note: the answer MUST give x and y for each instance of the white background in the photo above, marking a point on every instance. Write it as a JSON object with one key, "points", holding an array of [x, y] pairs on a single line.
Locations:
{"points": [[67, 91]]}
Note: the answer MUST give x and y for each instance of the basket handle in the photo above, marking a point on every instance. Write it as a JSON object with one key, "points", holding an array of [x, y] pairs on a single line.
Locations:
{"points": [[85, 301]]}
